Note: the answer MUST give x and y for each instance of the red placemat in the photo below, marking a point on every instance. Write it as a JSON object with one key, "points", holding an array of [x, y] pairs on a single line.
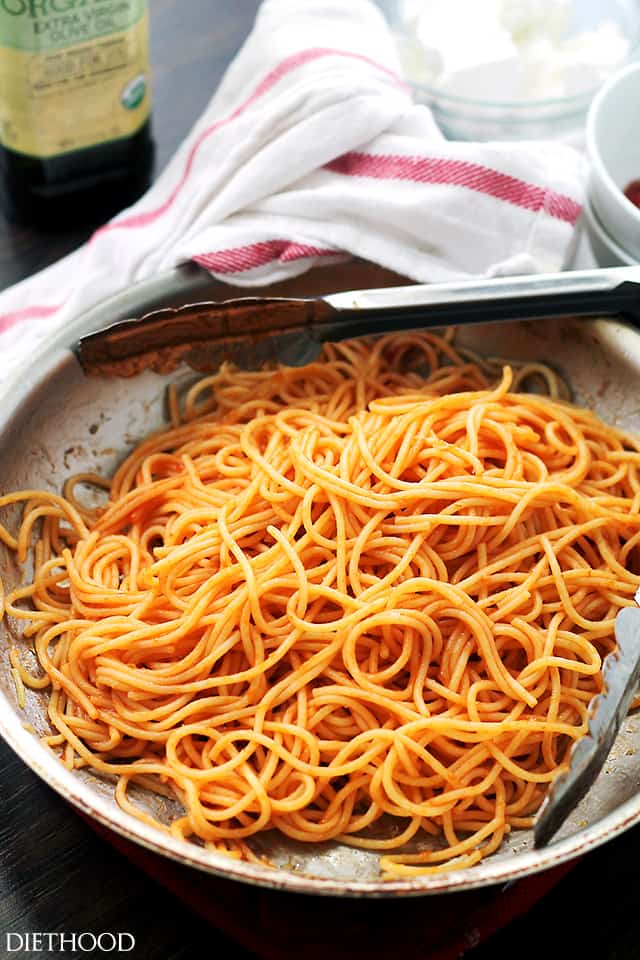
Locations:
{"points": [[283, 926]]}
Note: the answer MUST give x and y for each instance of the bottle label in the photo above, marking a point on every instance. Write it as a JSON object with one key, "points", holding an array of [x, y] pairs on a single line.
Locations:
{"points": [[73, 73]]}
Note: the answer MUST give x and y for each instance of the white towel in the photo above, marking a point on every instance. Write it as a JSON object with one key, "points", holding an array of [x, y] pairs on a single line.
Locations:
{"points": [[312, 149]]}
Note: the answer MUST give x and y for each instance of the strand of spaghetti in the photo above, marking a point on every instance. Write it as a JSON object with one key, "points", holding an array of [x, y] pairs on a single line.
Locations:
{"points": [[66, 509]]}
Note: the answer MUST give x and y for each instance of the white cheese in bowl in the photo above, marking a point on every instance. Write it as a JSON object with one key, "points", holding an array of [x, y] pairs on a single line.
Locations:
{"points": [[506, 50]]}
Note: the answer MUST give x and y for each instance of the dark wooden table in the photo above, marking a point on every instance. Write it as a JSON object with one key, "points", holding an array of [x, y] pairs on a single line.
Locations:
{"points": [[55, 873]]}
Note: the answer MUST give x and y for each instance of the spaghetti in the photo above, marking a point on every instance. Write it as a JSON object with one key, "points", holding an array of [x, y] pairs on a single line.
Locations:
{"points": [[366, 599]]}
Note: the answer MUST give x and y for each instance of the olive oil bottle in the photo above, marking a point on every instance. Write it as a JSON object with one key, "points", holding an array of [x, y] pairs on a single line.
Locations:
{"points": [[75, 129]]}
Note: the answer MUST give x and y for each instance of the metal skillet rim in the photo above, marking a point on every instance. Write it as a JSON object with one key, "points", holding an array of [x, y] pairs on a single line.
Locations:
{"points": [[80, 794]]}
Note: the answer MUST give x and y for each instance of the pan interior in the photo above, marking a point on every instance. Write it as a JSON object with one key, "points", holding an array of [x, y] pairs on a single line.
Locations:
{"points": [[71, 424]]}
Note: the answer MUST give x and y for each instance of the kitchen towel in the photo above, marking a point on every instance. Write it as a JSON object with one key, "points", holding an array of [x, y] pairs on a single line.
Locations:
{"points": [[310, 150]]}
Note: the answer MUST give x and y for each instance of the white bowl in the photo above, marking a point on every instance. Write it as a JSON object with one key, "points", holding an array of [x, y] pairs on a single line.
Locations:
{"points": [[606, 251], [613, 148]]}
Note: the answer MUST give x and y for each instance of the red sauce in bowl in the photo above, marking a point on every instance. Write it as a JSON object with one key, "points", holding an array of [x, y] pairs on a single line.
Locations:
{"points": [[632, 192]]}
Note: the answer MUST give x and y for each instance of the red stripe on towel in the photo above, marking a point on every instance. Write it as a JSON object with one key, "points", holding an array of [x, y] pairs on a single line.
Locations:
{"points": [[8, 320], [238, 259], [458, 173]]}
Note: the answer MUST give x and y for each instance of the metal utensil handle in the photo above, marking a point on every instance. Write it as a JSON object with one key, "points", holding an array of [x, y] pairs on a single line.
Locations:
{"points": [[577, 293]]}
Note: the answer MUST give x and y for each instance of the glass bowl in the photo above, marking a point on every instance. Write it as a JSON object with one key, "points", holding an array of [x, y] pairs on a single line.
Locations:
{"points": [[559, 118]]}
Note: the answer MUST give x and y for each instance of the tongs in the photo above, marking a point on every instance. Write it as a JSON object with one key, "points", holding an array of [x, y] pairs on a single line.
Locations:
{"points": [[251, 331], [620, 676]]}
